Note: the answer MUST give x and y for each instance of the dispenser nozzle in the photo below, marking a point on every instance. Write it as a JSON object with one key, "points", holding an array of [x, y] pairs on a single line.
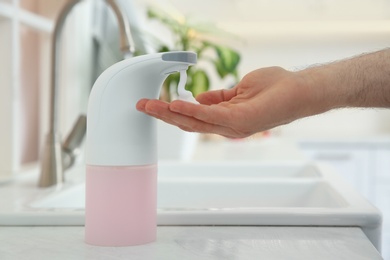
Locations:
{"points": [[184, 94]]}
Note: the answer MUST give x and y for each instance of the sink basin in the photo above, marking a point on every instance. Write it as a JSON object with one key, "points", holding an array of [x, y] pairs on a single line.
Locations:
{"points": [[238, 170], [230, 193], [210, 186]]}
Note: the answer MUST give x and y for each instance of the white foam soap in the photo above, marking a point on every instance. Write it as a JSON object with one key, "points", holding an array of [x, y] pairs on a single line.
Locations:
{"points": [[184, 94]]}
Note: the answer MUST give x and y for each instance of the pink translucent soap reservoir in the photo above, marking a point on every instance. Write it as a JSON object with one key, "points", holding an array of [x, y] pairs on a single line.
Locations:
{"points": [[121, 177]]}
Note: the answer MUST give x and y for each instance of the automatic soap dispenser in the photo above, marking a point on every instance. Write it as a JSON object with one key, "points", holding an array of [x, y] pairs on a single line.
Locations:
{"points": [[121, 172]]}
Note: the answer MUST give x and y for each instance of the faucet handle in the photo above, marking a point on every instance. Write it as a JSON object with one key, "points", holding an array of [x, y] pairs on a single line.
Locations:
{"points": [[73, 141]]}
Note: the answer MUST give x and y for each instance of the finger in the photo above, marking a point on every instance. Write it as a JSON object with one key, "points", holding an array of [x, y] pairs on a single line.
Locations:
{"points": [[216, 96], [160, 110], [191, 124], [213, 114], [155, 107], [140, 106], [218, 115]]}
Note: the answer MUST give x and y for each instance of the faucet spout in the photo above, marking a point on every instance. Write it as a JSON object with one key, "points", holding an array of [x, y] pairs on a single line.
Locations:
{"points": [[126, 39], [52, 165]]}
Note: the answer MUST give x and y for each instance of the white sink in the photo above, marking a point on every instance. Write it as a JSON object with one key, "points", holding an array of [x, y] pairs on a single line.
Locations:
{"points": [[212, 186], [231, 193], [205, 195]]}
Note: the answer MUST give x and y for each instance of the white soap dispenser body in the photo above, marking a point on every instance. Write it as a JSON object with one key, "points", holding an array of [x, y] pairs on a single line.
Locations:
{"points": [[121, 177]]}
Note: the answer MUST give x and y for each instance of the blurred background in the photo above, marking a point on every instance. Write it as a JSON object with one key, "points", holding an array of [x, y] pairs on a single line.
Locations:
{"points": [[291, 34]]}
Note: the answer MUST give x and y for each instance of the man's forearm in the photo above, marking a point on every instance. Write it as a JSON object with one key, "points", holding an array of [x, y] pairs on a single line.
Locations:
{"points": [[362, 81]]}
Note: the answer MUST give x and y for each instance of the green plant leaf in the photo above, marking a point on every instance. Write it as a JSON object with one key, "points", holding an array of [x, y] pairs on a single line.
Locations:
{"points": [[163, 49], [220, 69], [228, 60], [199, 82]]}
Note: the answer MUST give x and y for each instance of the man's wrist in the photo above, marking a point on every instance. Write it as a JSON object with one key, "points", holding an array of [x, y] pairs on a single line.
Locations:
{"points": [[319, 83]]}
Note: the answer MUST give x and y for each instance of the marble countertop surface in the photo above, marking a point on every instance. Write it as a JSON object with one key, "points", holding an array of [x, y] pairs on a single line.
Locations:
{"points": [[193, 242]]}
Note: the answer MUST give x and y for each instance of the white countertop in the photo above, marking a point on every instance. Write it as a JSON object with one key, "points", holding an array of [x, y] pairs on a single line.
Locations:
{"points": [[193, 242]]}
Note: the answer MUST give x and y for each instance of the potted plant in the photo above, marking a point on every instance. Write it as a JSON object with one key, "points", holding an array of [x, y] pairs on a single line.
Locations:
{"points": [[220, 59]]}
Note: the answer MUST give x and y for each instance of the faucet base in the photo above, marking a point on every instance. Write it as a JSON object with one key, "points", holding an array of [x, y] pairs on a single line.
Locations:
{"points": [[121, 205], [52, 170]]}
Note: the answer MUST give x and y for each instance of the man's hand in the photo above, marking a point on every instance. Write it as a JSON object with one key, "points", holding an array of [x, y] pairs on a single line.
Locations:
{"points": [[262, 100]]}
